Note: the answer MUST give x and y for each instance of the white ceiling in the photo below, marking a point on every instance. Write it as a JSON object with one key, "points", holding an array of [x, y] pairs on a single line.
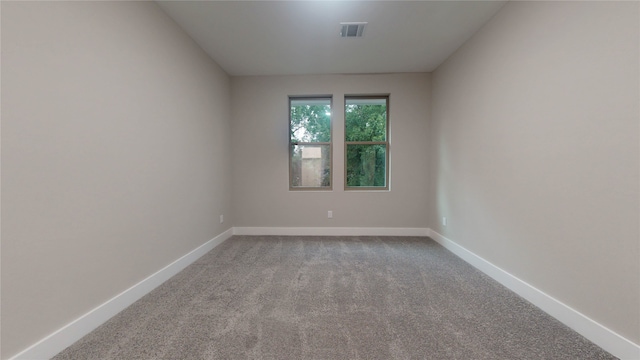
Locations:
{"points": [[302, 37]]}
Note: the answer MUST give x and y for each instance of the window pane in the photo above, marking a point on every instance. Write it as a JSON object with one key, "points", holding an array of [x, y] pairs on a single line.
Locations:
{"points": [[366, 119], [310, 120], [310, 166], [366, 165]]}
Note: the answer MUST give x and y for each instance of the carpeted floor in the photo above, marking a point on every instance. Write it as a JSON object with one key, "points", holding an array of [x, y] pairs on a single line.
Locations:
{"points": [[273, 297]]}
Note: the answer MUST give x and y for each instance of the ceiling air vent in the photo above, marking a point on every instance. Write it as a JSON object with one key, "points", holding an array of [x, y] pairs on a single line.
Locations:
{"points": [[352, 29]]}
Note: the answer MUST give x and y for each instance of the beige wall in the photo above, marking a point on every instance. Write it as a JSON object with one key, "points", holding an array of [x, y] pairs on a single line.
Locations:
{"points": [[115, 156], [117, 151], [261, 195], [535, 152]]}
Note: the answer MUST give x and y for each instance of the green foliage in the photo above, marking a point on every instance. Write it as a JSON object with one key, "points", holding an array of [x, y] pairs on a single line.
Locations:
{"points": [[366, 122], [310, 123], [366, 163]]}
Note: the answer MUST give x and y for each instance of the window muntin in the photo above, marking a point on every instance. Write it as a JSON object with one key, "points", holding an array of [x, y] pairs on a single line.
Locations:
{"points": [[366, 142], [310, 143]]}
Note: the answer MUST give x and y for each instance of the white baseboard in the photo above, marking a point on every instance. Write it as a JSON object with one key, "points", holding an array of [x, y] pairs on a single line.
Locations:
{"points": [[590, 329], [72, 332], [330, 231]]}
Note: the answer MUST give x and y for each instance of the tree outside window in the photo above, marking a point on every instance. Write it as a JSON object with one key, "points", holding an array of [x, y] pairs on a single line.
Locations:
{"points": [[366, 142], [310, 143]]}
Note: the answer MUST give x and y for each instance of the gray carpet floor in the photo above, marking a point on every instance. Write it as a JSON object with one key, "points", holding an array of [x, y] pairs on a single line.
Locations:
{"points": [[276, 297]]}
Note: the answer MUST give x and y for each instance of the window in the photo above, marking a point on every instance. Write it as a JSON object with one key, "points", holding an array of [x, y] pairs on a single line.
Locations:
{"points": [[310, 143], [366, 122]]}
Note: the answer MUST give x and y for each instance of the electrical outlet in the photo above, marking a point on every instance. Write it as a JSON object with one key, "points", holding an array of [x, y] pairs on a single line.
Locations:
{"points": [[444, 221], [330, 214], [221, 219]]}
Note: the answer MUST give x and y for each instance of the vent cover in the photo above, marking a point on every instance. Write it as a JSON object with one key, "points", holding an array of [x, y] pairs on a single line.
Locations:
{"points": [[352, 29]]}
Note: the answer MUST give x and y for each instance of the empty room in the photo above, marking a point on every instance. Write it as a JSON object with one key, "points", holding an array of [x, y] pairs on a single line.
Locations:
{"points": [[320, 180]]}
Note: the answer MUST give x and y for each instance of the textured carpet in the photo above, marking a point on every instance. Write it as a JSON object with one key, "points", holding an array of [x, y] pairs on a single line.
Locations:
{"points": [[272, 297]]}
